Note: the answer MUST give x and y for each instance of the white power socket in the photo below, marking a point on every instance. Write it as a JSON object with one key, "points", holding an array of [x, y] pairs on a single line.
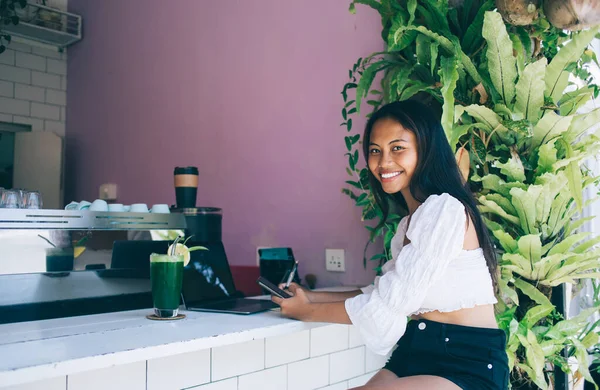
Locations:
{"points": [[334, 260]]}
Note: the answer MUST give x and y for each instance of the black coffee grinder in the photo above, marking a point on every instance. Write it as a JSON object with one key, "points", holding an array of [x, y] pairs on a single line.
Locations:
{"points": [[204, 228]]}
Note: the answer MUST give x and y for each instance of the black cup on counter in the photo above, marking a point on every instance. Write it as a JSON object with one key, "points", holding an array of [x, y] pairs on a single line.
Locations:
{"points": [[186, 186]]}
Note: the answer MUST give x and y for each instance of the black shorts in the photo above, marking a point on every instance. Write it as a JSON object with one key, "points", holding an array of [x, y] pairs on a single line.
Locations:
{"points": [[472, 358]]}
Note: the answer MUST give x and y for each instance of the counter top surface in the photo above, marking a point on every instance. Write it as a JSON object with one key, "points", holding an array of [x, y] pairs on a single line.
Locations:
{"points": [[42, 349]]}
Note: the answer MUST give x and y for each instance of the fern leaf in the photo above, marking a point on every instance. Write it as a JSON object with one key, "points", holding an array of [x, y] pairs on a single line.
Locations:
{"points": [[448, 76], [582, 123], [557, 77], [367, 79], [501, 62], [549, 127], [530, 91]]}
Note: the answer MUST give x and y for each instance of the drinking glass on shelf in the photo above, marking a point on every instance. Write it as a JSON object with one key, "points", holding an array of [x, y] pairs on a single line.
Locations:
{"points": [[21, 195], [10, 199], [32, 200]]}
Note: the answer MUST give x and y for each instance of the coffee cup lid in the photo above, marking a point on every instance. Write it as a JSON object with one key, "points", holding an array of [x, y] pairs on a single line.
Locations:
{"points": [[186, 170]]}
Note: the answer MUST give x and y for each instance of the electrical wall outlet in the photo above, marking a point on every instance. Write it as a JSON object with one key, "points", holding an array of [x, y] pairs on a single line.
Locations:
{"points": [[334, 260]]}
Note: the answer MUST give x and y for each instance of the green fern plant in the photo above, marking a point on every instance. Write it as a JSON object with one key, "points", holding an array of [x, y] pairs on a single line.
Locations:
{"points": [[501, 89]]}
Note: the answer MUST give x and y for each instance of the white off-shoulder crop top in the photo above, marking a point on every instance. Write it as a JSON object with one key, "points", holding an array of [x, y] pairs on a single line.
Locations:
{"points": [[432, 272]]}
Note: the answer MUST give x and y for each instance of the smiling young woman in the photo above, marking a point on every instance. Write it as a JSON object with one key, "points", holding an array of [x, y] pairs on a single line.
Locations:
{"points": [[433, 303]]}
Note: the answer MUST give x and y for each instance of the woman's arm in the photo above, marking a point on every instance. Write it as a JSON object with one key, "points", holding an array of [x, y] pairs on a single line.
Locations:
{"points": [[300, 307], [331, 296], [322, 296]]}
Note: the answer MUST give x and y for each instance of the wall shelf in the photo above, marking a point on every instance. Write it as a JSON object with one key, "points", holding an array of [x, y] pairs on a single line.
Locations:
{"points": [[88, 220], [46, 25]]}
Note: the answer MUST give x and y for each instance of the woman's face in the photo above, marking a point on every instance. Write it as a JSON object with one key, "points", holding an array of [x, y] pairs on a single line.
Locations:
{"points": [[392, 155]]}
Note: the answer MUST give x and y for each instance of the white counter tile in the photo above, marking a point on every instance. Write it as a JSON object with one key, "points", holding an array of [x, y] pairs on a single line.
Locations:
{"points": [[227, 384], [238, 359], [287, 348], [124, 377], [361, 380], [308, 374], [192, 368], [337, 386], [271, 379], [58, 383], [346, 364], [354, 337], [327, 339]]}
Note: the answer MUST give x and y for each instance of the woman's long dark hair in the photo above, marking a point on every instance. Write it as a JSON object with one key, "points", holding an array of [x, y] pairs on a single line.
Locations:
{"points": [[437, 171]]}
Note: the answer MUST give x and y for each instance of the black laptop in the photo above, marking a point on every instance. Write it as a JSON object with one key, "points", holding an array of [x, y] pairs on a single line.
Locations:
{"points": [[208, 284]]}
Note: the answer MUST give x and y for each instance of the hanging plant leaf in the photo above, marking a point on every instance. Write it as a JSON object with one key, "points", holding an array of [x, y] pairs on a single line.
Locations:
{"points": [[367, 79], [398, 37], [574, 100], [549, 127], [448, 77], [552, 184], [487, 117], [354, 184], [402, 78], [530, 247], [351, 161], [493, 207], [502, 64], [433, 48], [348, 141], [434, 19], [508, 243], [557, 77], [502, 202], [411, 6], [458, 132], [524, 202], [581, 124], [478, 148], [414, 88], [473, 38], [530, 97], [423, 49], [519, 51], [574, 176]]}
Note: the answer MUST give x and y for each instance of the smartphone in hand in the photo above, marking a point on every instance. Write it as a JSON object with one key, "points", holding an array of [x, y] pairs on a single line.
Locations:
{"points": [[273, 289]]}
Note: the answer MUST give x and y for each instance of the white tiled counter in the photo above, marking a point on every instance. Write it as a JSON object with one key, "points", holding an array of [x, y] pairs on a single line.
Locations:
{"points": [[207, 351]]}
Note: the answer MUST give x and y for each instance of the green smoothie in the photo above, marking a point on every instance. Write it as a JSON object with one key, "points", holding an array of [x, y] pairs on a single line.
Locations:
{"points": [[166, 275]]}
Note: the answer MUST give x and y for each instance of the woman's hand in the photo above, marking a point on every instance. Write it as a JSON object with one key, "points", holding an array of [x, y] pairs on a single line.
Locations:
{"points": [[298, 306], [295, 286]]}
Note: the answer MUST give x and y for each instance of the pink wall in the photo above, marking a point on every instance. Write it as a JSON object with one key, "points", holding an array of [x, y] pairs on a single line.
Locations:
{"points": [[248, 91]]}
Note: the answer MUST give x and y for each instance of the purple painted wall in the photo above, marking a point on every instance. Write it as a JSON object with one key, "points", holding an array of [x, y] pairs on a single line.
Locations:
{"points": [[248, 91]]}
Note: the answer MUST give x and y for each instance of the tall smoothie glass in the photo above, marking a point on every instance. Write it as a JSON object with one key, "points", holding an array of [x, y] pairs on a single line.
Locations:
{"points": [[166, 275]]}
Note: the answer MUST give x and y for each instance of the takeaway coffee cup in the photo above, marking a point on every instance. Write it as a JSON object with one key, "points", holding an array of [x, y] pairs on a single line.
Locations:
{"points": [[186, 186]]}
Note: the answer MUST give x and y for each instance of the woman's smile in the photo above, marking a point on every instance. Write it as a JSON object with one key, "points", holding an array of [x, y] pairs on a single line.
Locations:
{"points": [[392, 155]]}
